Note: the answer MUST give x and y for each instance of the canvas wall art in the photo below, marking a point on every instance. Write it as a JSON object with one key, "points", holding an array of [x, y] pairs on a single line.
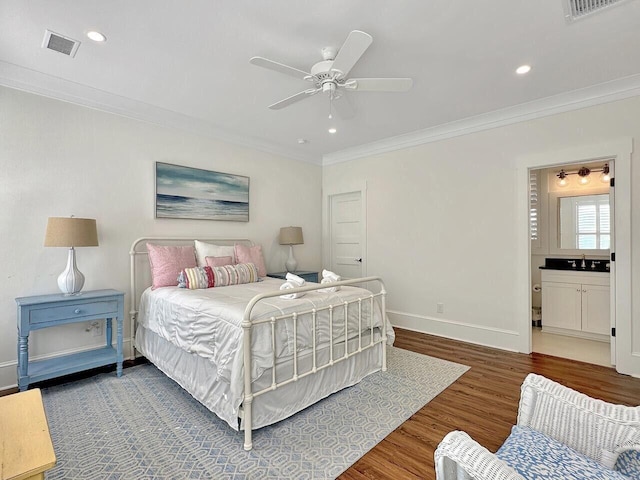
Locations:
{"points": [[185, 192]]}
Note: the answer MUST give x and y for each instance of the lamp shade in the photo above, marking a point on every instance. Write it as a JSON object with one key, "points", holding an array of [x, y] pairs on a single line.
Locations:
{"points": [[291, 236], [71, 232]]}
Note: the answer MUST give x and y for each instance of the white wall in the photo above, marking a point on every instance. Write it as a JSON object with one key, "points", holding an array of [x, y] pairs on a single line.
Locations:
{"points": [[441, 221], [58, 159]]}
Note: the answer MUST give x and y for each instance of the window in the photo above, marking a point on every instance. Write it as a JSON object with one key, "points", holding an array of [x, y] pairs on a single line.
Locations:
{"points": [[592, 223], [584, 222]]}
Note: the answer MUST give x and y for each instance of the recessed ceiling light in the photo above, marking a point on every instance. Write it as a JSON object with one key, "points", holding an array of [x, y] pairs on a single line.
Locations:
{"points": [[332, 130], [96, 36], [522, 69]]}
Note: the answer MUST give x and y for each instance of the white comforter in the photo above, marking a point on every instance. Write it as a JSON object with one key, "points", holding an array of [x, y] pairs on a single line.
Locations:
{"points": [[208, 323]]}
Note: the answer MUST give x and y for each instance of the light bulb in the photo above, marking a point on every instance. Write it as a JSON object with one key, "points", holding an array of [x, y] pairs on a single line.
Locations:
{"points": [[604, 176], [583, 173], [332, 130], [523, 69], [96, 36], [562, 179]]}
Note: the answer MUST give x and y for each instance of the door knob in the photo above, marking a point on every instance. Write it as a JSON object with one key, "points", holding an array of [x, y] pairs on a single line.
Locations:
{"points": [[359, 259]]}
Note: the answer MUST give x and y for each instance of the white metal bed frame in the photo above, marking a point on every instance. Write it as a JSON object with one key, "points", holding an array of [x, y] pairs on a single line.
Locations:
{"points": [[248, 323]]}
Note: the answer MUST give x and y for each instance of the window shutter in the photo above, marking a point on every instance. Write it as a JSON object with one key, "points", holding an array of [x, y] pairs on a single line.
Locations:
{"points": [[533, 206]]}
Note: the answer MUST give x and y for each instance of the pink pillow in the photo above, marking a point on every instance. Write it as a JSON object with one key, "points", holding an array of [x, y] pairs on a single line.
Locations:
{"points": [[253, 255], [167, 262], [218, 261]]}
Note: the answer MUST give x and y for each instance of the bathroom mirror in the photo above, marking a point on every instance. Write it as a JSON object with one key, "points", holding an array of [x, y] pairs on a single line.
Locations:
{"points": [[582, 222]]}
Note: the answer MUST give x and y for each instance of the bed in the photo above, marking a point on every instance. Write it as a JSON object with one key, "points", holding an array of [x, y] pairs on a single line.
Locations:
{"points": [[299, 350]]}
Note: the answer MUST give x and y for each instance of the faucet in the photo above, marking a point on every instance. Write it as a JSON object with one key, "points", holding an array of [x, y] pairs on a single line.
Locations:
{"points": [[583, 264]]}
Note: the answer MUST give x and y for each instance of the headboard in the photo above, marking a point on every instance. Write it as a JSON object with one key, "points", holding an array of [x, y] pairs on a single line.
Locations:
{"points": [[141, 271]]}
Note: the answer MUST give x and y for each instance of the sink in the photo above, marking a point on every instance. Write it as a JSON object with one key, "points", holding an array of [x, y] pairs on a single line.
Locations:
{"points": [[568, 264]]}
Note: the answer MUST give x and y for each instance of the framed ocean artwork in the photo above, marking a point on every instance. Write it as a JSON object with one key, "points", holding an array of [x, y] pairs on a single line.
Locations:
{"points": [[193, 193]]}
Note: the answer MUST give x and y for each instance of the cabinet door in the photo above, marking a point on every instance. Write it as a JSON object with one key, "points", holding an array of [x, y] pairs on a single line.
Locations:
{"points": [[561, 305], [595, 309]]}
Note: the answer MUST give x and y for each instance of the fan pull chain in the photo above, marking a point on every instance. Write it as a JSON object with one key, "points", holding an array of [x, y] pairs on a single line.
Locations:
{"points": [[330, 99]]}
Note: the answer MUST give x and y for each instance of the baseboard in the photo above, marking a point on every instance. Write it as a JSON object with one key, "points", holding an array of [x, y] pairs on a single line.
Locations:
{"points": [[465, 332], [8, 372]]}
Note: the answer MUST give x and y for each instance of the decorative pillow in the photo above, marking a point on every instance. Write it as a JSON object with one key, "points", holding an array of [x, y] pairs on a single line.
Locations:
{"points": [[245, 254], [218, 261], [208, 277], [629, 463], [204, 250], [167, 262], [535, 455]]}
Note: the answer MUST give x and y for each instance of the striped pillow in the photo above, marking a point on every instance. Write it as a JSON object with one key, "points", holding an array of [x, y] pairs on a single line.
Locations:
{"points": [[208, 277]]}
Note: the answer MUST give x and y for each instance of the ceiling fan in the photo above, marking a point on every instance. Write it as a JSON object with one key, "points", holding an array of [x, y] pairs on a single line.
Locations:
{"points": [[330, 75]]}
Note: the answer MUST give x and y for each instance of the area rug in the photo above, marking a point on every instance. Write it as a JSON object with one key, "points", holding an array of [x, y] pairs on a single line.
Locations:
{"points": [[144, 426]]}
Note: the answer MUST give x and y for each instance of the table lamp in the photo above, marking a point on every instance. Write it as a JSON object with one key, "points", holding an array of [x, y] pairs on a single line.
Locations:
{"points": [[71, 232], [291, 236]]}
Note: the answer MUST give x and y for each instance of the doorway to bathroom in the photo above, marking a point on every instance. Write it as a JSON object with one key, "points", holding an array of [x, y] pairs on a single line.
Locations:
{"points": [[572, 228]]}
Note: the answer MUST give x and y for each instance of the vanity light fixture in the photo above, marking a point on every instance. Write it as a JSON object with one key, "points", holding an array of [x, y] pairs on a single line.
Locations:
{"points": [[96, 36], [584, 175]]}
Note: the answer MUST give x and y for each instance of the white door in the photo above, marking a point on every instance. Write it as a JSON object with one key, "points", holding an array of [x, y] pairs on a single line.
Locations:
{"points": [[346, 235]]}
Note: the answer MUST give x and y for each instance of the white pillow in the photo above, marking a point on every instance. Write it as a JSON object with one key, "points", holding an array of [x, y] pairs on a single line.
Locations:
{"points": [[204, 250]]}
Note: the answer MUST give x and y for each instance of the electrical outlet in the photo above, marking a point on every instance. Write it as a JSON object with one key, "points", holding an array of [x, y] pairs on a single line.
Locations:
{"points": [[440, 307]]}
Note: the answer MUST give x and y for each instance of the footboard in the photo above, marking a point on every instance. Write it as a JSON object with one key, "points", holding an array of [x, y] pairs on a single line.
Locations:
{"points": [[334, 317]]}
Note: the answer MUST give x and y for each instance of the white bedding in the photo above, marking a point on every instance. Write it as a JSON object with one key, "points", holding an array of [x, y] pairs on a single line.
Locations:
{"points": [[207, 323]]}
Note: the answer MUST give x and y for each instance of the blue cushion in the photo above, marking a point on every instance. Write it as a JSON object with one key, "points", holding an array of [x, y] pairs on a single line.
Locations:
{"points": [[536, 456], [629, 463]]}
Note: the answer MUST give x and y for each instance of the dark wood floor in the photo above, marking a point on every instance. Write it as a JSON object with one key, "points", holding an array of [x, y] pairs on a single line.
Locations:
{"points": [[483, 402]]}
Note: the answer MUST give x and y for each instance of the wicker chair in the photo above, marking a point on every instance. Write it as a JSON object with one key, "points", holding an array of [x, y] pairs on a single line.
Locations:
{"points": [[604, 435]]}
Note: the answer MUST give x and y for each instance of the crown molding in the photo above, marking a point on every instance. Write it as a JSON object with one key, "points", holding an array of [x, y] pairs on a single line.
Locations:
{"points": [[585, 97], [39, 83]]}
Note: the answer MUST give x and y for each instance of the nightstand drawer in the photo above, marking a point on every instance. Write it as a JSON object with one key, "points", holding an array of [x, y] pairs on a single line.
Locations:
{"points": [[52, 314]]}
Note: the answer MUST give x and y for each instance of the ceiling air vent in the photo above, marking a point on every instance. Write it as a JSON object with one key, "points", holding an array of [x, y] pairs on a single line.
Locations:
{"points": [[576, 9], [60, 43]]}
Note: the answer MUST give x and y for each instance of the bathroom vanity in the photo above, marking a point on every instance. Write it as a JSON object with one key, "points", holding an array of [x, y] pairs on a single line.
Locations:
{"points": [[576, 298]]}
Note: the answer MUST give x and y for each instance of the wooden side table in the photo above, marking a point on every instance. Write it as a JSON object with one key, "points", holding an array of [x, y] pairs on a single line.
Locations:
{"points": [[308, 276], [26, 451], [52, 310]]}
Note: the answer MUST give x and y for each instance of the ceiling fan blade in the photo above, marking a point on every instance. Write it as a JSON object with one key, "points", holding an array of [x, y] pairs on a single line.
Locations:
{"points": [[294, 98], [343, 107], [353, 48], [379, 84], [279, 67]]}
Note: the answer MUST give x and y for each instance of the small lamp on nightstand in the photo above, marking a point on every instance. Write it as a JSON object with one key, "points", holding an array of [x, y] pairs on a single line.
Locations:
{"points": [[291, 236], [71, 232]]}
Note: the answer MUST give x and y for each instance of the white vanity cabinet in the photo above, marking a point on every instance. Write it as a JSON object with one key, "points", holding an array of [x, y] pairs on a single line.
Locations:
{"points": [[576, 303]]}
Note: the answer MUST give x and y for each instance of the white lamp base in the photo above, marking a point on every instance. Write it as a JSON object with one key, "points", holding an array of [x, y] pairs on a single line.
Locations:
{"points": [[291, 262], [71, 281]]}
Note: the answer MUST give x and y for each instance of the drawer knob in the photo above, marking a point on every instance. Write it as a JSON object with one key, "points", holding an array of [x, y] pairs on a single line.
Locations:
{"points": [[77, 310]]}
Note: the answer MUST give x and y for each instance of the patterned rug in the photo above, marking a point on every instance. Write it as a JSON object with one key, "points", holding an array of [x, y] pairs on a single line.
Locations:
{"points": [[145, 426]]}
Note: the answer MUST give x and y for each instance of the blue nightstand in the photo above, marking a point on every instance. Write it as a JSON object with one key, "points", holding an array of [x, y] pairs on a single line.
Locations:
{"points": [[44, 311], [308, 276]]}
